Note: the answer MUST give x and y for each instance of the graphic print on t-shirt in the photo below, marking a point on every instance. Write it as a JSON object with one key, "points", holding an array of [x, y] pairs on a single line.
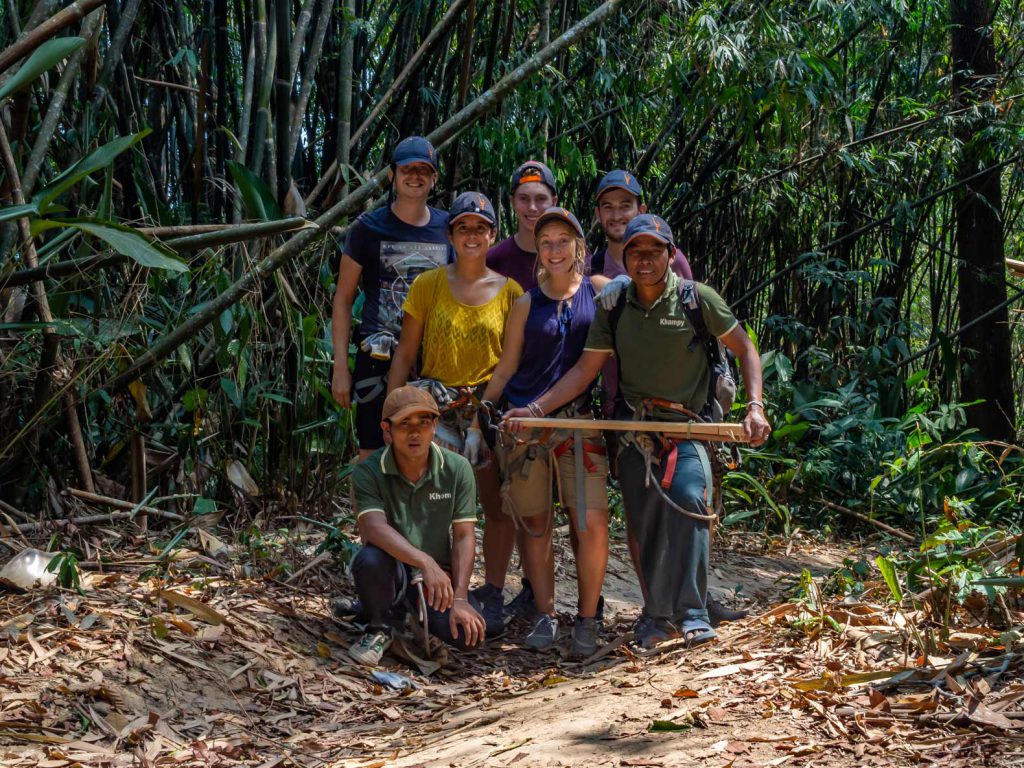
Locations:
{"points": [[400, 263]]}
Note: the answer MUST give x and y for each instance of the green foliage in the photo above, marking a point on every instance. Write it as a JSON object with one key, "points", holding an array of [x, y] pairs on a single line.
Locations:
{"points": [[43, 58]]}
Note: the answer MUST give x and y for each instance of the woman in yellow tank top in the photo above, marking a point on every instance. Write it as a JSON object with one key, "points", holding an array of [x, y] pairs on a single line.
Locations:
{"points": [[454, 319]]}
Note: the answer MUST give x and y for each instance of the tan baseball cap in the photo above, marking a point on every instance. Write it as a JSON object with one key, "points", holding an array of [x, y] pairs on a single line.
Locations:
{"points": [[407, 400]]}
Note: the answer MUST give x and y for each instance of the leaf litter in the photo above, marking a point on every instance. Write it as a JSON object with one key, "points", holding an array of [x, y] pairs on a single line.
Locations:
{"points": [[197, 666]]}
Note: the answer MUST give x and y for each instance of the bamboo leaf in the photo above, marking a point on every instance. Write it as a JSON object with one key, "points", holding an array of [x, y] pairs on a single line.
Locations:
{"points": [[45, 57], [94, 161], [18, 211], [891, 579], [125, 241], [259, 203]]}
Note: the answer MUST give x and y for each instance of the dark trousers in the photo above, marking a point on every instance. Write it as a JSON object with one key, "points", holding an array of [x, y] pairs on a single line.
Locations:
{"points": [[674, 548], [385, 588]]}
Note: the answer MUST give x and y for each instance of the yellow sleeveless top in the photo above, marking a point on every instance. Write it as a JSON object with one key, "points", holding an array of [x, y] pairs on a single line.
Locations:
{"points": [[461, 344]]}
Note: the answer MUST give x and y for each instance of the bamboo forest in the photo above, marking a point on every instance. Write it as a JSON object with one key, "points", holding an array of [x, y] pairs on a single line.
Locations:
{"points": [[215, 548]]}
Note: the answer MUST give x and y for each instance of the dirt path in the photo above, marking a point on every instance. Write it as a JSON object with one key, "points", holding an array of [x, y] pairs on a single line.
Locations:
{"points": [[189, 663]]}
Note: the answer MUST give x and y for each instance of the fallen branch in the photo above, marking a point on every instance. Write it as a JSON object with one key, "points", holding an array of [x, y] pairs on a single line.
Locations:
{"points": [[136, 509], [864, 518]]}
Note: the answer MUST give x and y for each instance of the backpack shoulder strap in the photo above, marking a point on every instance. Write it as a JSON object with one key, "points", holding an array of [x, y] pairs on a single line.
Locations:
{"points": [[613, 319], [689, 297]]}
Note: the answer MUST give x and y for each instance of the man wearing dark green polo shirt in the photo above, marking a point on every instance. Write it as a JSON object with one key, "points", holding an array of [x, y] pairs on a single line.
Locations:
{"points": [[415, 505], [667, 511]]}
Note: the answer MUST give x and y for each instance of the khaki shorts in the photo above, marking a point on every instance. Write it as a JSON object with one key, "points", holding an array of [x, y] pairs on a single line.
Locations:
{"points": [[527, 487]]}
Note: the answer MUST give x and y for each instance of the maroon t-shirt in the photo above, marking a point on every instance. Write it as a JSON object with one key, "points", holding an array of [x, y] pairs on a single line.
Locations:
{"points": [[508, 259]]}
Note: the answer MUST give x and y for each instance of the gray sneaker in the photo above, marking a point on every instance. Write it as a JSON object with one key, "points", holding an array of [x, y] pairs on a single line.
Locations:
{"points": [[586, 633], [544, 633], [371, 647]]}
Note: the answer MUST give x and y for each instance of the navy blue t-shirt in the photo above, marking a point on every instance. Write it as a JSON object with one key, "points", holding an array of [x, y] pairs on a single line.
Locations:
{"points": [[391, 254]]}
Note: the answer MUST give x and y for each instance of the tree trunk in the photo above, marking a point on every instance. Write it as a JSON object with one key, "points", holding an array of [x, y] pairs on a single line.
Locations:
{"points": [[985, 355]]}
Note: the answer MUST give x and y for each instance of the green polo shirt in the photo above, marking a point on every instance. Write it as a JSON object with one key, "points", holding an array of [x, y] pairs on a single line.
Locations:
{"points": [[423, 512], [653, 345]]}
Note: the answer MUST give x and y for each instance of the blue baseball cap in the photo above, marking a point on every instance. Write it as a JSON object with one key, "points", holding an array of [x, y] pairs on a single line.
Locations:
{"points": [[619, 179], [414, 149], [472, 204], [557, 213], [534, 170], [648, 224]]}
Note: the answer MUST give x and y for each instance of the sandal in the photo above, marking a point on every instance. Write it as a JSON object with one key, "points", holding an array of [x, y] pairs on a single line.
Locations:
{"points": [[697, 632]]}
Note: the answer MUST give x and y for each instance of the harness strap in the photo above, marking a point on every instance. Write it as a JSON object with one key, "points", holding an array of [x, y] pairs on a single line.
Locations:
{"points": [[670, 466]]}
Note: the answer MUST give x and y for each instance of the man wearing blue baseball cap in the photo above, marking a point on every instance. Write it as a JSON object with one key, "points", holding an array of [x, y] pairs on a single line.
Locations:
{"points": [[384, 251], [661, 331]]}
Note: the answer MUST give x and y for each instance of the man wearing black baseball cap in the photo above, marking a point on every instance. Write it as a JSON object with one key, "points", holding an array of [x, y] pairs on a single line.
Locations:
{"points": [[533, 191], [667, 485], [384, 251]]}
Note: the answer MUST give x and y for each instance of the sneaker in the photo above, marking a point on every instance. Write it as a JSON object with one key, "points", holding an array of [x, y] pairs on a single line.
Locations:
{"points": [[649, 632], [492, 608], [523, 605], [544, 633], [585, 635], [717, 613], [371, 646]]}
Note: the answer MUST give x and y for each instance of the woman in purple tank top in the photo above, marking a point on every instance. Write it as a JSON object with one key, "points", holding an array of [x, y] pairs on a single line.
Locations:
{"points": [[544, 338]]}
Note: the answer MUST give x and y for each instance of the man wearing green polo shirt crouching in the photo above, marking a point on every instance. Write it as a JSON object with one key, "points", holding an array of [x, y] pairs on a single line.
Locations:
{"points": [[415, 506], [664, 375]]}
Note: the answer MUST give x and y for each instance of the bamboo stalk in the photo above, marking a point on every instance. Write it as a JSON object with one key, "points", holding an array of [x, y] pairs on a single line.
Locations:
{"points": [[691, 430], [208, 236], [864, 518], [1015, 266], [485, 102]]}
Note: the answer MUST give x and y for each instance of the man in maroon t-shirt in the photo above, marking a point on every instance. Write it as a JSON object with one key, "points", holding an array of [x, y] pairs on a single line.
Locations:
{"points": [[533, 192]]}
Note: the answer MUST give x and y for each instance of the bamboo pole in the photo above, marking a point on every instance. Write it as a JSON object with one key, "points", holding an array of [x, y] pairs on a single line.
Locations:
{"points": [[208, 236], [208, 311], [1017, 267], [690, 430], [135, 509]]}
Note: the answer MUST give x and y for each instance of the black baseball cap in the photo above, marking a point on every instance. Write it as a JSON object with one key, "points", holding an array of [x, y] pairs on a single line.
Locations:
{"points": [[534, 170], [619, 179], [647, 224], [472, 204], [414, 149], [557, 214]]}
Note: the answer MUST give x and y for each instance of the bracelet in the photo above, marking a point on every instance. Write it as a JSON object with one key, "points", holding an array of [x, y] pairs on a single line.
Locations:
{"points": [[758, 403], [463, 599], [535, 409]]}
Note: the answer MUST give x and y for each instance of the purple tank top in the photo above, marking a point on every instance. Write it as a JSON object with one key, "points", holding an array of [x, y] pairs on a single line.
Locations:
{"points": [[553, 341]]}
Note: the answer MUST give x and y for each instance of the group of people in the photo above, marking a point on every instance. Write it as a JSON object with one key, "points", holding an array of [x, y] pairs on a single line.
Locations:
{"points": [[459, 335]]}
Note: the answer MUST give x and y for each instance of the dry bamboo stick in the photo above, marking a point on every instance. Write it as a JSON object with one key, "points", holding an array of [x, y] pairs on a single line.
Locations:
{"points": [[119, 504], [1015, 266], [691, 430]]}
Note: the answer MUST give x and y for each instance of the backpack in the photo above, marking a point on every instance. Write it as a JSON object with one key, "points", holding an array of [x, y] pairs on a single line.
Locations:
{"points": [[722, 384]]}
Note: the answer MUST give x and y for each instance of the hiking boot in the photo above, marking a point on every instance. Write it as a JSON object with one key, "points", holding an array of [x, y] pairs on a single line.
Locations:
{"points": [[544, 633], [717, 613], [522, 605], [586, 633], [649, 632], [492, 608], [371, 646]]}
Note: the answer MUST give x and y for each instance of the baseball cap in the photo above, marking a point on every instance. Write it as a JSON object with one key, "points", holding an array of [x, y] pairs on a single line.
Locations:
{"points": [[407, 400], [472, 204], [414, 149], [534, 170], [619, 179], [647, 224], [557, 214]]}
